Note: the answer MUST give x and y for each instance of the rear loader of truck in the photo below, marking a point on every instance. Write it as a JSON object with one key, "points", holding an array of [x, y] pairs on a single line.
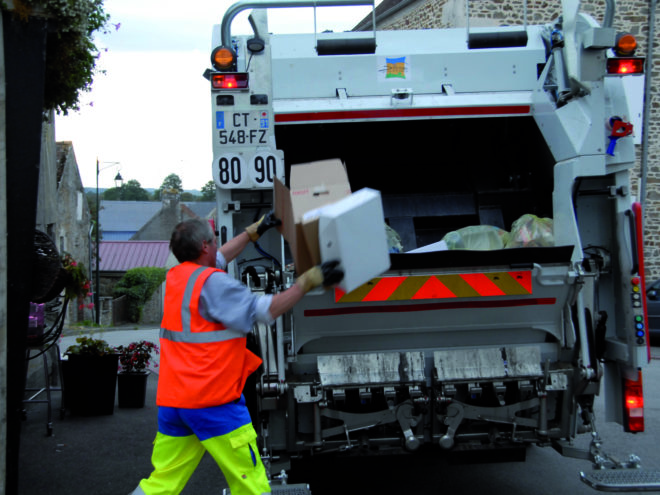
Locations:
{"points": [[456, 349]]}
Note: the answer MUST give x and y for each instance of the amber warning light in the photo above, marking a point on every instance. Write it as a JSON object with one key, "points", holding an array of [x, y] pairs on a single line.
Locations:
{"points": [[230, 80]]}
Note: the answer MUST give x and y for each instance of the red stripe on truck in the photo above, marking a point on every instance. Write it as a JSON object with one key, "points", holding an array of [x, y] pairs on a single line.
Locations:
{"points": [[402, 113]]}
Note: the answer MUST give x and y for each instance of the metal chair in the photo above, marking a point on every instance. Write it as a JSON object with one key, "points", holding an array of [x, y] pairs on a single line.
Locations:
{"points": [[39, 346]]}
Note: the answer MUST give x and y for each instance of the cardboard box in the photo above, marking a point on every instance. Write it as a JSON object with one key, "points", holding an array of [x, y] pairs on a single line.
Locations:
{"points": [[352, 230], [323, 221], [313, 185]]}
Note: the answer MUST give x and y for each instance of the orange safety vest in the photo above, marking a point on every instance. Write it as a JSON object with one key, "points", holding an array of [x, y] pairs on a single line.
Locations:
{"points": [[202, 363]]}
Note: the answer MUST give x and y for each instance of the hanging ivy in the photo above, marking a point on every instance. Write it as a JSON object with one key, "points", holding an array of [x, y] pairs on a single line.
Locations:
{"points": [[71, 53]]}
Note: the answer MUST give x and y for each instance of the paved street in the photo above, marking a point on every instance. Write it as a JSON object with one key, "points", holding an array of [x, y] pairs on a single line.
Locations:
{"points": [[108, 455]]}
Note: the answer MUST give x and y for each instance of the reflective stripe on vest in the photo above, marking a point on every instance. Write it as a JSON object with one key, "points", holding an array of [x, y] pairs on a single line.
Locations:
{"points": [[186, 334]]}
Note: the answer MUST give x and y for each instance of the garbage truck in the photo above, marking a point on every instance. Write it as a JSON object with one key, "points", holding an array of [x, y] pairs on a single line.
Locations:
{"points": [[514, 292]]}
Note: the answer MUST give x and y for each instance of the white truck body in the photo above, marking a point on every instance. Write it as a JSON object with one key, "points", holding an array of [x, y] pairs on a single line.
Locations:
{"points": [[507, 346]]}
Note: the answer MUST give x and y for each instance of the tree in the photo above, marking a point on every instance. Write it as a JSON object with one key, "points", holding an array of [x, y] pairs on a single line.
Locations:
{"points": [[172, 182], [187, 196], [131, 191], [71, 52], [208, 191]]}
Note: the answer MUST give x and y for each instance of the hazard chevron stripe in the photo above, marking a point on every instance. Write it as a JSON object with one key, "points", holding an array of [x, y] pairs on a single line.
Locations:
{"points": [[421, 287]]}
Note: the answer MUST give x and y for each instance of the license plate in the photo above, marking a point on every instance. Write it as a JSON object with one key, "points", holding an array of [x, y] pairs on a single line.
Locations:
{"points": [[242, 128]]}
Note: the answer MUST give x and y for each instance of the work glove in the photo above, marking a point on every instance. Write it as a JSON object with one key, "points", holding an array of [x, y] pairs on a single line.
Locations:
{"points": [[257, 229], [326, 274]]}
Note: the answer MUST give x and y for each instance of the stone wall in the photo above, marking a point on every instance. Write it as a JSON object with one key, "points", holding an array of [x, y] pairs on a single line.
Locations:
{"points": [[73, 224], [152, 313], [630, 15], [62, 210], [47, 197]]}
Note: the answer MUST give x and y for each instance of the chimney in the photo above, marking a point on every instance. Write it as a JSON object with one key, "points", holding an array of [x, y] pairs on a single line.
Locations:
{"points": [[169, 197]]}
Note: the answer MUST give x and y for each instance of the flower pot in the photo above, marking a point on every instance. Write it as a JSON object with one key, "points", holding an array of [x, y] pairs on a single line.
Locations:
{"points": [[132, 388], [89, 384]]}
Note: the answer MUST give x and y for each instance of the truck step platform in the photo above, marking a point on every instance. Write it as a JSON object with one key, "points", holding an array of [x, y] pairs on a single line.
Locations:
{"points": [[295, 489], [623, 480]]}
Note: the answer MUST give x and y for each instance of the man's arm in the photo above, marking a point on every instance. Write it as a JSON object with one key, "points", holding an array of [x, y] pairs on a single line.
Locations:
{"points": [[233, 247], [326, 274], [284, 301]]}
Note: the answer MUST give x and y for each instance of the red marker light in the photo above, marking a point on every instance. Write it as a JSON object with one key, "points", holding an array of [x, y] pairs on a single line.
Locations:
{"points": [[624, 66], [232, 80]]}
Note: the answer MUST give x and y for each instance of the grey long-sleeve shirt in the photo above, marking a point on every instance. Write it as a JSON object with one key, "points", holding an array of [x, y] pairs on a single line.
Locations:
{"points": [[226, 300]]}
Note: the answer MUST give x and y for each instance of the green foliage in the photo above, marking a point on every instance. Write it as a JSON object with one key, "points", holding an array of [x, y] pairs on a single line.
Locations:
{"points": [[172, 182], [88, 346], [138, 285], [208, 191], [71, 53], [131, 191], [187, 196]]}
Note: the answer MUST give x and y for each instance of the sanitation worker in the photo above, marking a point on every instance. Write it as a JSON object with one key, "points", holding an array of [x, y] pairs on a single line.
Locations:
{"points": [[204, 360]]}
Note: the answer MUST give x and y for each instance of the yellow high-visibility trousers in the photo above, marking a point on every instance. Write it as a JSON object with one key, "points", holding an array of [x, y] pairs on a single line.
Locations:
{"points": [[176, 458]]}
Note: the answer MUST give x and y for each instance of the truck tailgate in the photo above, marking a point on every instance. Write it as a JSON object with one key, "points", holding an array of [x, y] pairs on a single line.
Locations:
{"points": [[441, 300]]}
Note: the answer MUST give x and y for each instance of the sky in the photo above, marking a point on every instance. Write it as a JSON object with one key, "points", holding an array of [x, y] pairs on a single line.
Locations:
{"points": [[148, 114]]}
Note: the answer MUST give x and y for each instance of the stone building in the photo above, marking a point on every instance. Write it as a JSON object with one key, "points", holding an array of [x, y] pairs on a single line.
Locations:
{"points": [[73, 232], [630, 15], [62, 210]]}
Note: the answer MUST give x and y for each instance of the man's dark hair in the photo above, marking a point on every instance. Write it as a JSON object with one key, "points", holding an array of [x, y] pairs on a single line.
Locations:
{"points": [[188, 237]]}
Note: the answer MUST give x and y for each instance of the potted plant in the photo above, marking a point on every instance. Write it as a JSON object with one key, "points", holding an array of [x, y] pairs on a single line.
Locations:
{"points": [[76, 284], [89, 375], [133, 375]]}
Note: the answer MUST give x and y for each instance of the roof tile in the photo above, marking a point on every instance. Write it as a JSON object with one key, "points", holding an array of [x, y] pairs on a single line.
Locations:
{"points": [[119, 256]]}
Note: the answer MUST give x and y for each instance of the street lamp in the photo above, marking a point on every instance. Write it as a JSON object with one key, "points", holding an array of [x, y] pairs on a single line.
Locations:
{"points": [[97, 285]]}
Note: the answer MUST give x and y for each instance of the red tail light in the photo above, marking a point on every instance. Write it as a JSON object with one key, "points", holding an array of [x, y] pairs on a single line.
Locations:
{"points": [[633, 395], [624, 66], [229, 80]]}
